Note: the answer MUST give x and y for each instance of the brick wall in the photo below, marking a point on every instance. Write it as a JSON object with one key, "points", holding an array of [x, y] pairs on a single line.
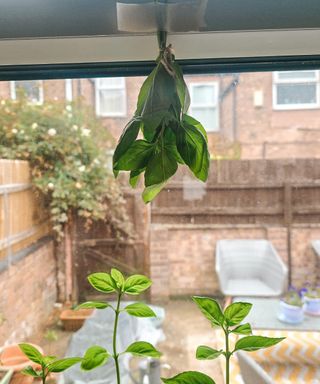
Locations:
{"points": [[183, 256], [28, 292]]}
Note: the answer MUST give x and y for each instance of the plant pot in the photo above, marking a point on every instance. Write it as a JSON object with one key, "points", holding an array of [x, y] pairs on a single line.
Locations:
{"points": [[73, 320], [12, 358], [290, 314], [311, 306]]}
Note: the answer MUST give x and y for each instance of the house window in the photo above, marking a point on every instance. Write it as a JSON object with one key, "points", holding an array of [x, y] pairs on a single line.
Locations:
{"points": [[295, 90], [204, 105], [111, 98], [32, 89]]}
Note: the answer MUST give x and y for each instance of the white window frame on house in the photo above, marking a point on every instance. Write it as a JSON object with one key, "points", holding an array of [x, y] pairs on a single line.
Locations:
{"points": [[13, 91], [112, 87], [276, 81], [68, 90], [214, 104]]}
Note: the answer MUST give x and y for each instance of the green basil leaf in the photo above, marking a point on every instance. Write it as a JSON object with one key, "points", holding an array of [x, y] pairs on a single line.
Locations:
{"points": [[144, 91], [161, 166], [207, 353], [190, 377], [31, 372], [243, 329], [254, 343], [236, 312], [151, 192], [162, 94], [192, 121], [182, 88], [63, 364], [135, 176], [117, 277], [102, 282], [49, 359], [136, 157], [151, 124], [127, 139], [142, 348], [32, 353], [193, 149], [136, 284], [211, 309], [93, 304], [94, 357], [140, 310]]}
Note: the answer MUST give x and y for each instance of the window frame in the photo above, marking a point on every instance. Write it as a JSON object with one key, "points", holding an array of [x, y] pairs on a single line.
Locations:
{"points": [[13, 91], [98, 89], [298, 106], [215, 84]]}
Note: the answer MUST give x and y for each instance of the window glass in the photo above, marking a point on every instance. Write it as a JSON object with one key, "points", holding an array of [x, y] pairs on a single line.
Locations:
{"points": [[204, 104], [111, 97], [32, 90]]}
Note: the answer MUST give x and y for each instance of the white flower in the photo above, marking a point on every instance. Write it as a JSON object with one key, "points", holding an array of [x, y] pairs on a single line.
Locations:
{"points": [[75, 127], [78, 185], [69, 115], [82, 168], [69, 108], [50, 186], [3, 102], [85, 132], [22, 132], [14, 131], [34, 126], [52, 132], [96, 161]]}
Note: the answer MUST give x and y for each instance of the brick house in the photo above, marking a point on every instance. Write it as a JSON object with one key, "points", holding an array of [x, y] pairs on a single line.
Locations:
{"points": [[248, 116]]}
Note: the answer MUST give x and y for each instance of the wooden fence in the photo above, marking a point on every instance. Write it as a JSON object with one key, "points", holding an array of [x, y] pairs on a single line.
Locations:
{"points": [[261, 192], [23, 217]]}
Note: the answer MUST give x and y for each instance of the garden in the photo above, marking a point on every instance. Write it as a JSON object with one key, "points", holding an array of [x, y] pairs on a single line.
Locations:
{"points": [[243, 333]]}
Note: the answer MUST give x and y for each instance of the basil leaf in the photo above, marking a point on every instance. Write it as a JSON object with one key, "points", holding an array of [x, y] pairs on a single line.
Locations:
{"points": [[236, 312], [143, 349], [190, 377], [136, 157], [254, 343]]}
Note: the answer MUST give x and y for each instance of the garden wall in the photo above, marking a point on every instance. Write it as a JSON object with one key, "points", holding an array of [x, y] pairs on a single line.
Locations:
{"points": [[27, 263], [276, 200]]}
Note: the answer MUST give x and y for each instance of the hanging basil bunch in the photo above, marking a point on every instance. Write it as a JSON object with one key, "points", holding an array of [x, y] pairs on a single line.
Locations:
{"points": [[170, 135]]}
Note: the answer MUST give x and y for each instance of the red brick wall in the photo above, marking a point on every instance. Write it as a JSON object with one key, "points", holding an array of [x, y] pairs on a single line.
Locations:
{"points": [[28, 293], [183, 256]]}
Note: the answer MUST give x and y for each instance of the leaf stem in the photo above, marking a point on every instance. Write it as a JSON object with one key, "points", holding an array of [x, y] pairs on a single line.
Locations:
{"points": [[115, 329], [226, 332]]}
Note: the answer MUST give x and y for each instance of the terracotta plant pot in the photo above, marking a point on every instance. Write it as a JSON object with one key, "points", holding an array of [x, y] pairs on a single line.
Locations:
{"points": [[12, 358], [73, 320]]}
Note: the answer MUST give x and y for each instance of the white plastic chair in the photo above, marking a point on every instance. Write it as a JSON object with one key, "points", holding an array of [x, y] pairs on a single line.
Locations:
{"points": [[250, 268], [251, 371]]}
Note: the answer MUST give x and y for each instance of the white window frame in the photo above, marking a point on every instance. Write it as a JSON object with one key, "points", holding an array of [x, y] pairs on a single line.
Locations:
{"points": [[13, 91], [120, 86], [276, 81], [215, 85], [68, 90]]}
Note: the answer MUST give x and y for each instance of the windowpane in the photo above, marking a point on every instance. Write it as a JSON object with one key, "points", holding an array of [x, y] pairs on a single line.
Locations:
{"points": [[296, 94], [207, 116], [297, 75], [203, 95], [112, 102], [114, 82], [32, 90]]}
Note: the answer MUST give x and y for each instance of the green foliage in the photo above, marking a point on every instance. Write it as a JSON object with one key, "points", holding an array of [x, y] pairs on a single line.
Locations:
{"points": [[68, 162], [46, 364], [169, 135], [116, 283], [229, 321], [189, 377]]}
